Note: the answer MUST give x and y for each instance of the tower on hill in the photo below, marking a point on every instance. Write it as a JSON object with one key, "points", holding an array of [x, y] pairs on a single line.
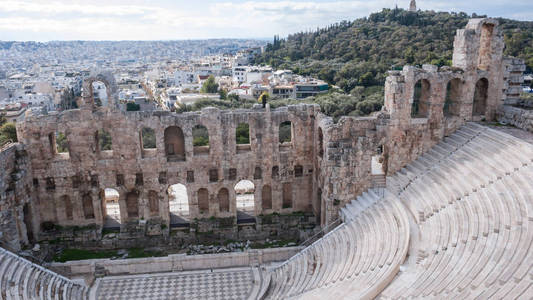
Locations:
{"points": [[412, 6]]}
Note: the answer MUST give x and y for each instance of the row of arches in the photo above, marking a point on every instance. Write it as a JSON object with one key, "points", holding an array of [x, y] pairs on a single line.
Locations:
{"points": [[179, 203], [174, 140], [453, 99]]}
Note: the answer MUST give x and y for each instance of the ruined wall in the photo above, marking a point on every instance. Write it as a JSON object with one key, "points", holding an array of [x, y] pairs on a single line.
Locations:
{"points": [[85, 171], [15, 194], [515, 111], [325, 165], [422, 105]]}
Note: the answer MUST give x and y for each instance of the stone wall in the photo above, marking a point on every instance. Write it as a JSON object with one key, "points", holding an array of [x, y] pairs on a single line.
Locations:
{"points": [[173, 263], [517, 116], [15, 196], [324, 166], [85, 171]]}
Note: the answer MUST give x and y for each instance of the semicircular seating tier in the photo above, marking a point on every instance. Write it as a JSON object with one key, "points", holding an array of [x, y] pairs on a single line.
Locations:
{"points": [[356, 259], [456, 223], [471, 201], [22, 279], [464, 209]]}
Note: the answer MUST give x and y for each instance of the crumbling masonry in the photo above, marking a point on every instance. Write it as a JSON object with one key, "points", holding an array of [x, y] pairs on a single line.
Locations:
{"points": [[325, 165]]}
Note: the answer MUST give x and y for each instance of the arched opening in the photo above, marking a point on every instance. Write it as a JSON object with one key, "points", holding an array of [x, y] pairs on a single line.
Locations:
{"points": [[99, 92], [132, 204], [200, 140], [421, 95], [275, 171], [320, 151], [104, 141], [88, 209], [153, 203], [61, 143], [287, 195], [266, 197], [242, 137], [378, 176], [111, 208], [245, 202], [223, 200], [258, 173], [452, 103], [203, 201], [485, 47], [148, 138], [285, 132], [480, 97], [28, 221], [67, 204], [178, 204], [298, 171], [174, 144]]}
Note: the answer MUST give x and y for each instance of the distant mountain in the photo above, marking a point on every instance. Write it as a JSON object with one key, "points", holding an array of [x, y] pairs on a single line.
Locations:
{"points": [[359, 53]]}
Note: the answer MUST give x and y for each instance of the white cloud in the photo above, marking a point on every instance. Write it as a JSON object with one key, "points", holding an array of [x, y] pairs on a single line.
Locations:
{"points": [[118, 19]]}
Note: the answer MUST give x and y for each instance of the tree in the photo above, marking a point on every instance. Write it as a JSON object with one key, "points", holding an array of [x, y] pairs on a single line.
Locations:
{"points": [[8, 132], [242, 134], [130, 106], [223, 94], [61, 143], [209, 86], [3, 119]]}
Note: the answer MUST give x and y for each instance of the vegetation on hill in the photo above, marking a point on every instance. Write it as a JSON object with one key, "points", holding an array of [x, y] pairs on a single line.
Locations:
{"points": [[359, 53], [355, 56], [209, 86], [8, 131]]}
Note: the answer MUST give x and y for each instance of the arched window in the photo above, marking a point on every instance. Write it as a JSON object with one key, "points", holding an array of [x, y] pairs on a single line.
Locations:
{"points": [[223, 200], [203, 201], [285, 132], [178, 204], [200, 140], [242, 134], [287, 195], [132, 204], [88, 209], [111, 208], [245, 201], [148, 138], [480, 97], [275, 171], [65, 200], [174, 144], [421, 97], [266, 197], [258, 173], [452, 103], [58, 143], [298, 171], [153, 203]]}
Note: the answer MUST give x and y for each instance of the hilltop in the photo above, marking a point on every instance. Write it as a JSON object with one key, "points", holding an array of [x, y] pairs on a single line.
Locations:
{"points": [[358, 53]]}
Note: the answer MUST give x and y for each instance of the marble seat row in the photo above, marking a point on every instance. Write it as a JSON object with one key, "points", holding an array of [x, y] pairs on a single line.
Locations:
{"points": [[21, 279], [357, 259], [473, 212]]}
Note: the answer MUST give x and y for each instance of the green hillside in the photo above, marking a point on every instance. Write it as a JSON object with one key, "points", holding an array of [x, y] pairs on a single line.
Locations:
{"points": [[358, 53]]}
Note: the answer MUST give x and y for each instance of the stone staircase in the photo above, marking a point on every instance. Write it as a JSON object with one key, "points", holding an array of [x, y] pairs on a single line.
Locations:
{"points": [[22, 279]]}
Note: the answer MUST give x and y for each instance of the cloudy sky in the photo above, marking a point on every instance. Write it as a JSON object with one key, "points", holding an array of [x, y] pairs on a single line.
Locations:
{"points": [[44, 20]]}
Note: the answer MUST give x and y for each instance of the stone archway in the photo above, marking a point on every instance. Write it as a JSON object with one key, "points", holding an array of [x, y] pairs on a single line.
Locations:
{"points": [[108, 81]]}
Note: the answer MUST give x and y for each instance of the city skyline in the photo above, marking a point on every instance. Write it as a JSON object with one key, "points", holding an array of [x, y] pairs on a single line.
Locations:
{"points": [[174, 20]]}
